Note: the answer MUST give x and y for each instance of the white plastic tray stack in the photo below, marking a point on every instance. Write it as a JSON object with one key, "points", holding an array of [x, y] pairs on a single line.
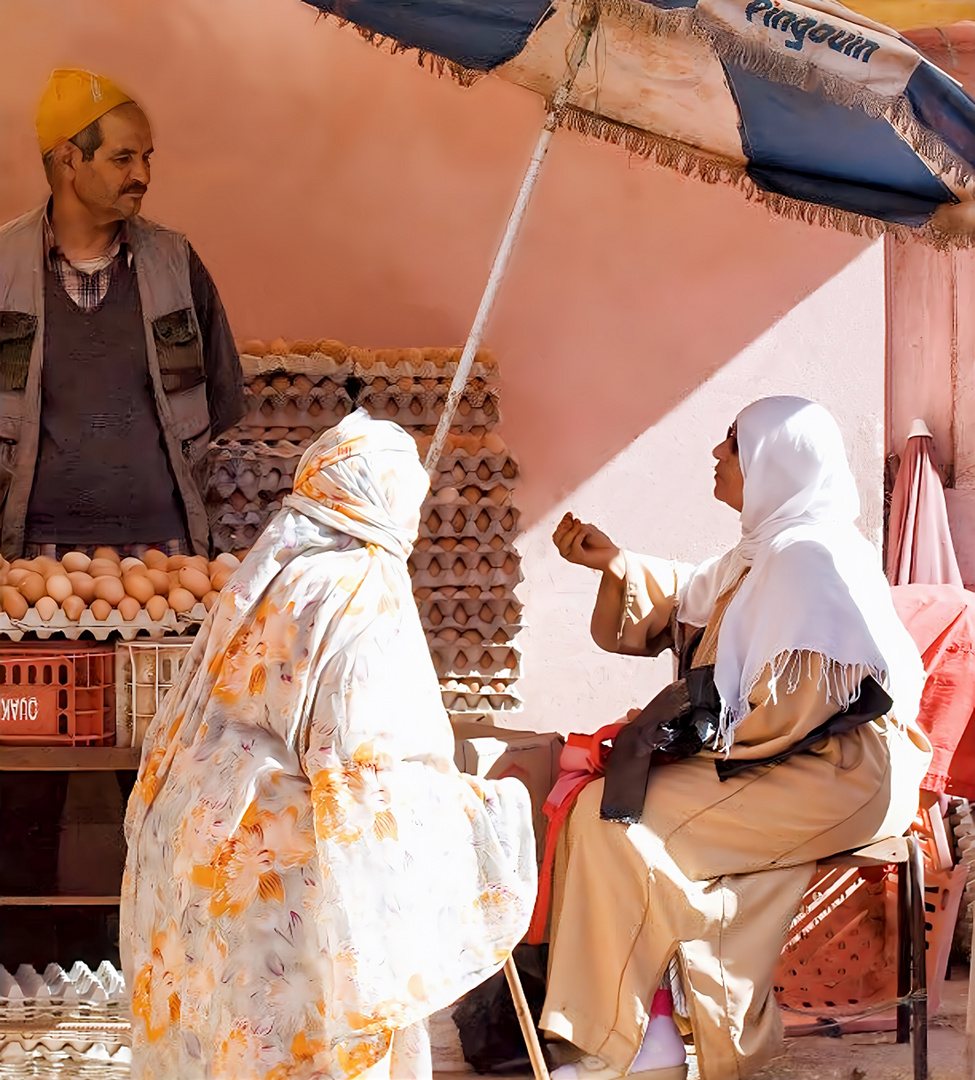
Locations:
{"points": [[465, 567], [64, 1023]]}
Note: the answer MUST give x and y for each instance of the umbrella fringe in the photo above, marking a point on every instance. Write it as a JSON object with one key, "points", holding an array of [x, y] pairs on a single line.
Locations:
{"points": [[755, 57], [437, 65], [698, 165]]}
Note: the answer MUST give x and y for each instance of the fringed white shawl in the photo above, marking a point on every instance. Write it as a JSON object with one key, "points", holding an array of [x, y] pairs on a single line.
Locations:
{"points": [[814, 583]]}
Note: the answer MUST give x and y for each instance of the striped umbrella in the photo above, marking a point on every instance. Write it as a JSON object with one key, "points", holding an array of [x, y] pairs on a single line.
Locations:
{"points": [[811, 108]]}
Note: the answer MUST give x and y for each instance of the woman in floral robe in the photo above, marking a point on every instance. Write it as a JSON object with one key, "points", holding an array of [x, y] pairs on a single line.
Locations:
{"points": [[308, 874]]}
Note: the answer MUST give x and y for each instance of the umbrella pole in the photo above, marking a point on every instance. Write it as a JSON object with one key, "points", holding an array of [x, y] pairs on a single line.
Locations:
{"points": [[503, 257]]}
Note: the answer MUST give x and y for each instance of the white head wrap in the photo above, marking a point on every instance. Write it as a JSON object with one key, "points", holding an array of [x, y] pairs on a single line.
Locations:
{"points": [[815, 584]]}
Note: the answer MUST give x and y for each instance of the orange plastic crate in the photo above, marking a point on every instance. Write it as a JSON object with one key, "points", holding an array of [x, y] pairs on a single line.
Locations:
{"points": [[839, 963], [57, 694]]}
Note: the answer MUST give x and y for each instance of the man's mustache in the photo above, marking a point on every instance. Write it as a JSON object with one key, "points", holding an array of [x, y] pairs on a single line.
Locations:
{"points": [[135, 189]]}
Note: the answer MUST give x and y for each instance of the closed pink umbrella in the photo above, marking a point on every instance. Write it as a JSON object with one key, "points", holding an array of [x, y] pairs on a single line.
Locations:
{"points": [[919, 549]]}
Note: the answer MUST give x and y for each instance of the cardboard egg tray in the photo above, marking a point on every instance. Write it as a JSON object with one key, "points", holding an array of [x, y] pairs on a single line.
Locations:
{"points": [[88, 626], [465, 568], [62, 1022], [293, 395]]}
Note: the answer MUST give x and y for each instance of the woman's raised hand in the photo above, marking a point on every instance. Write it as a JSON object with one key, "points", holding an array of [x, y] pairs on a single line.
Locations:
{"points": [[585, 544]]}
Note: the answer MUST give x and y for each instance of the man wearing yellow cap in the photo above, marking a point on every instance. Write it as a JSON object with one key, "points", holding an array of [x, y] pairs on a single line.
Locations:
{"points": [[117, 364]]}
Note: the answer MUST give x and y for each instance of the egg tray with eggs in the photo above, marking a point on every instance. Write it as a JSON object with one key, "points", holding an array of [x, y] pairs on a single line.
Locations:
{"points": [[465, 567], [296, 420], [327, 357], [109, 596]]}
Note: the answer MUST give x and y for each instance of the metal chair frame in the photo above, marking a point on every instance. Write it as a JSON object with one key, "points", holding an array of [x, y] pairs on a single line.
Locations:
{"points": [[912, 992]]}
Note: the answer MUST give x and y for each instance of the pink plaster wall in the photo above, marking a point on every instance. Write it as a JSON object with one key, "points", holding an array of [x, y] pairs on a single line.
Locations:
{"points": [[336, 191]]}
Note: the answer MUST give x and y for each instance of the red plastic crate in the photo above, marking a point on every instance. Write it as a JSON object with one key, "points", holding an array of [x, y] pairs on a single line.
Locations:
{"points": [[57, 694], [839, 963]]}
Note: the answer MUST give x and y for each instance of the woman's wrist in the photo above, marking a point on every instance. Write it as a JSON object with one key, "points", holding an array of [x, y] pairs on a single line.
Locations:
{"points": [[616, 566]]}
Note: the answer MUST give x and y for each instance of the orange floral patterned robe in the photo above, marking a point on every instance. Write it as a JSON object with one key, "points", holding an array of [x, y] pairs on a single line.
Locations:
{"points": [[307, 870]]}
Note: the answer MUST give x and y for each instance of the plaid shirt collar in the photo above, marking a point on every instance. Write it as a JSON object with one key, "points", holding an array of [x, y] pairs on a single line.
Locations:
{"points": [[53, 253], [86, 290]]}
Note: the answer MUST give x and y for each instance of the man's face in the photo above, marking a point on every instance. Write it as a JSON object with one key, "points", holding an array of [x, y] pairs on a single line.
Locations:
{"points": [[112, 184]]}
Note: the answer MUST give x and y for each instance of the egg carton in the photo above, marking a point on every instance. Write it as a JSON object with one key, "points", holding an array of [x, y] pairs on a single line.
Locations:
{"points": [[326, 357], [461, 704], [76, 1005], [461, 665], [482, 558], [403, 410], [234, 538], [461, 471], [298, 395], [66, 1053], [476, 637], [114, 626], [467, 519]]}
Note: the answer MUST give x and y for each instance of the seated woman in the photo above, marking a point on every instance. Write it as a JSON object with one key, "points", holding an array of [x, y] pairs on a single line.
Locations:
{"points": [[308, 874], [794, 619]]}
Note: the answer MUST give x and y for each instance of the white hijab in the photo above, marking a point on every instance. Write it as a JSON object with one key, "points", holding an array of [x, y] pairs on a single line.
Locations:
{"points": [[814, 583]]}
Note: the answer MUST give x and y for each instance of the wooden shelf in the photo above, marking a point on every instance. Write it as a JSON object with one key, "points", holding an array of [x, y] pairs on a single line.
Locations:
{"points": [[68, 758], [65, 900]]}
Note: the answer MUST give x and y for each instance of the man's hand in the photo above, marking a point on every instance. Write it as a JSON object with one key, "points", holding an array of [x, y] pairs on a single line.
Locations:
{"points": [[587, 546]]}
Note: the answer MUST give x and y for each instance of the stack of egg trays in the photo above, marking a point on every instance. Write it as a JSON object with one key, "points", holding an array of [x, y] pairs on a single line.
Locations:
{"points": [[465, 568], [294, 396], [64, 1022]]}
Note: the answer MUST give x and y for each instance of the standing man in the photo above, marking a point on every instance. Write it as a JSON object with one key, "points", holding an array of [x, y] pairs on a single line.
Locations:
{"points": [[117, 364]]}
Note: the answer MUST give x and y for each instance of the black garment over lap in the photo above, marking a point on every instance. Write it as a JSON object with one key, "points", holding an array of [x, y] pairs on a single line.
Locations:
{"points": [[103, 474]]}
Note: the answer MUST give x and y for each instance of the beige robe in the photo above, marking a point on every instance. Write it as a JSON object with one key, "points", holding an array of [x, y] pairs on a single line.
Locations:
{"points": [[715, 872]]}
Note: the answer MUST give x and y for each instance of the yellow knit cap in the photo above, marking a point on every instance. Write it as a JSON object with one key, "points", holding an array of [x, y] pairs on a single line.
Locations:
{"points": [[71, 101]]}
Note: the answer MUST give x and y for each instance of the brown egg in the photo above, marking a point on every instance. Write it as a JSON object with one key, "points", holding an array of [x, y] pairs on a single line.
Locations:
{"points": [[198, 562], [16, 575], [159, 580], [155, 559], [22, 564], [210, 599], [173, 576], [109, 588], [75, 561], [129, 608], [138, 586], [83, 586], [180, 600], [107, 553], [133, 564], [104, 568], [176, 562], [100, 609], [195, 582], [32, 587], [220, 577], [12, 602], [45, 566], [59, 587], [225, 558], [73, 606], [46, 608], [157, 608]]}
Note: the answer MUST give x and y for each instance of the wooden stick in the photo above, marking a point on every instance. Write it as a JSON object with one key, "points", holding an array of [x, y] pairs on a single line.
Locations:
{"points": [[527, 1024]]}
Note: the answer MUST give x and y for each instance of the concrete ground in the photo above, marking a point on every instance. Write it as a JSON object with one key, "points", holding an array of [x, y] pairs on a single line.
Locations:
{"points": [[865, 1056], [876, 1056]]}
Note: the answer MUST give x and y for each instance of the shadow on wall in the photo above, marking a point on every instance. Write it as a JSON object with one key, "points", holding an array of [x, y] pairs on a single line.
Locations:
{"points": [[336, 191]]}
